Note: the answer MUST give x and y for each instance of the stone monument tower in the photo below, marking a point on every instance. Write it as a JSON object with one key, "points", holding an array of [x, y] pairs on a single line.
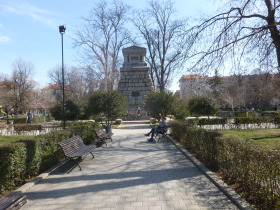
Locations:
{"points": [[135, 81]]}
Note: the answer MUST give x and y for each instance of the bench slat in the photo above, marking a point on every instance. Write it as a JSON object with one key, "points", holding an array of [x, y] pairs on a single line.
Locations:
{"points": [[83, 151], [14, 202], [101, 134], [74, 147]]}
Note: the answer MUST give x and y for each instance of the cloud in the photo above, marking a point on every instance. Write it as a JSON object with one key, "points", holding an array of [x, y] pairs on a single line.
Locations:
{"points": [[24, 8], [5, 39]]}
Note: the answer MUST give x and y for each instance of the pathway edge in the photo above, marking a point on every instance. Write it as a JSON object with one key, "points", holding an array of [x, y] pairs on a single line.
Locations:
{"points": [[219, 183]]}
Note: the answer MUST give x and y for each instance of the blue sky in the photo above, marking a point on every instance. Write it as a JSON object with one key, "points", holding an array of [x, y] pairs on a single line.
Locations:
{"points": [[29, 30]]}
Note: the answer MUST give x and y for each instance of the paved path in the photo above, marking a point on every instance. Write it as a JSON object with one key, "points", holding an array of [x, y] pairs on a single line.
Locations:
{"points": [[129, 174]]}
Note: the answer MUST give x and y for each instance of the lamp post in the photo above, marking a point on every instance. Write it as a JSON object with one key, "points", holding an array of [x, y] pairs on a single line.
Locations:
{"points": [[62, 29], [17, 94]]}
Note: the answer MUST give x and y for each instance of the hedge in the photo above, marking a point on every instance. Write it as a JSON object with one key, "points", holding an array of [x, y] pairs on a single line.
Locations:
{"points": [[257, 121], [21, 129], [255, 169], [236, 122], [25, 159]]}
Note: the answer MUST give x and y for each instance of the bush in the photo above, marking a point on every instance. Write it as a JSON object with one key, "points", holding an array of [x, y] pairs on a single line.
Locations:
{"points": [[244, 114], [24, 159], [161, 104], [270, 113], [38, 119], [112, 104], [72, 111], [84, 130], [276, 121], [19, 120], [21, 128], [253, 168], [246, 121], [215, 121], [203, 105], [180, 109], [178, 129]]}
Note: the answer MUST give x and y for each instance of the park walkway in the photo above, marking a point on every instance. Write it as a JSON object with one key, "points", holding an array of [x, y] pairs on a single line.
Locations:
{"points": [[129, 174]]}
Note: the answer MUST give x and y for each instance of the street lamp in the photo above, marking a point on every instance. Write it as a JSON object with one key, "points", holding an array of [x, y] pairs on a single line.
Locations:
{"points": [[62, 29], [17, 94]]}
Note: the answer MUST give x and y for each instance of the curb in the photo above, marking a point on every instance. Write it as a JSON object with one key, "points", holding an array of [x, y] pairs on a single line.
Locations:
{"points": [[36, 180], [223, 187]]}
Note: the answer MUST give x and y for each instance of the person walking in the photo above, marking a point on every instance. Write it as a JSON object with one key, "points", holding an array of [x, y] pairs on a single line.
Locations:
{"points": [[29, 117]]}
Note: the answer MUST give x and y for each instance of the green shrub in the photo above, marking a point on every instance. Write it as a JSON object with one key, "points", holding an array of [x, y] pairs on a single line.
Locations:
{"points": [[246, 121], [84, 130], [192, 121], [203, 105], [178, 129], [24, 159], [270, 113], [38, 119], [12, 165], [71, 111], [244, 114], [111, 104], [202, 143], [161, 104], [180, 109], [276, 121], [20, 128], [254, 168], [214, 121], [19, 120]]}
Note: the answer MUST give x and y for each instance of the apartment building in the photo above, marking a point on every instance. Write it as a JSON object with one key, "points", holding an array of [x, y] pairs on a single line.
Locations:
{"points": [[193, 85]]}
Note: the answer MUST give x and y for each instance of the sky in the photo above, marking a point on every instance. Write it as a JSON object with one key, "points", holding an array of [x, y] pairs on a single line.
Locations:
{"points": [[29, 30]]}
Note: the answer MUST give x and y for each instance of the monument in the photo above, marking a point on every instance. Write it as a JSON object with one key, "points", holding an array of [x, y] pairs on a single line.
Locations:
{"points": [[135, 81]]}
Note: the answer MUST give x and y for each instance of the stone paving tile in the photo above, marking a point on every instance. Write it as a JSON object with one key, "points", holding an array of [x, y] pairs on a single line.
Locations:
{"points": [[129, 174]]}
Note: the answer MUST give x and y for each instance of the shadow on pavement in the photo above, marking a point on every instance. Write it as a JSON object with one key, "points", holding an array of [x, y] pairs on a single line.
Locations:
{"points": [[66, 167]]}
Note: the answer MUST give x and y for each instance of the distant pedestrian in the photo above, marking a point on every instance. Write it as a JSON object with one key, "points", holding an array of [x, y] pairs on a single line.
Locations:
{"points": [[138, 112], [29, 117]]}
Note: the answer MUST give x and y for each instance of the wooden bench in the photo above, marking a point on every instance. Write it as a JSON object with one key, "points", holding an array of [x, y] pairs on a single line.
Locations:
{"points": [[162, 133], [13, 202], [74, 149], [102, 135]]}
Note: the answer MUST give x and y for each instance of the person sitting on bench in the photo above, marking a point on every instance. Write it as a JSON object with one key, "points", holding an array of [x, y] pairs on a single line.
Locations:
{"points": [[162, 125]]}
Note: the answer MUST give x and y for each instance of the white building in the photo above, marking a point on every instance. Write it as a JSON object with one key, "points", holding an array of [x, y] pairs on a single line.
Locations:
{"points": [[194, 85]]}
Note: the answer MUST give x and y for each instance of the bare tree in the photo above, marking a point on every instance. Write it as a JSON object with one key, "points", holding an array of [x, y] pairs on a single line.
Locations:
{"points": [[19, 85], [75, 83], [90, 81], [7, 96], [233, 91], [101, 39], [163, 34], [245, 31], [44, 98], [259, 90]]}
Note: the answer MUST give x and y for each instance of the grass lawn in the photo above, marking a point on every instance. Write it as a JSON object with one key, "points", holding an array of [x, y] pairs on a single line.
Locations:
{"points": [[265, 137], [9, 139]]}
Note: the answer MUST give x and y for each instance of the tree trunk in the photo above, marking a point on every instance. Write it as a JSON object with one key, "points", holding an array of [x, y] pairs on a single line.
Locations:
{"points": [[272, 26]]}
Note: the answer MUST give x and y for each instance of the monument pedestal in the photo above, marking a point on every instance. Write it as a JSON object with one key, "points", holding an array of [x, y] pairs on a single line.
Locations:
{"points": [[135, 81]]}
